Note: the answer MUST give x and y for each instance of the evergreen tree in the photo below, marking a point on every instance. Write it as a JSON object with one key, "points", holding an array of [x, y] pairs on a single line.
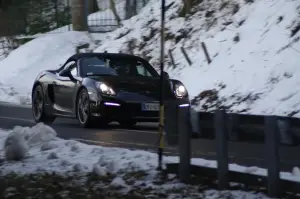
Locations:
{"points": [[32, 16]]}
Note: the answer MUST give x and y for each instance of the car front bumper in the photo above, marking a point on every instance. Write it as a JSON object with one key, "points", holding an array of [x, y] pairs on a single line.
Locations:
{"points": [[117, 110]]}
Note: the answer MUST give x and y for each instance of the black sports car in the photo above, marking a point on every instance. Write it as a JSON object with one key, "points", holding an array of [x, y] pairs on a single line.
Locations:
{"points": [[101, 88]]}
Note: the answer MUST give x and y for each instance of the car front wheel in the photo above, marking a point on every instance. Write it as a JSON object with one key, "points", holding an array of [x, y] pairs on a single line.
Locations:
{"points": [[38, 110], [83, 109]]}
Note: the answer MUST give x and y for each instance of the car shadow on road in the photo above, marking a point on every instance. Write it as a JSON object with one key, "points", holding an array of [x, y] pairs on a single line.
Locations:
{"points": [[111, 126]]}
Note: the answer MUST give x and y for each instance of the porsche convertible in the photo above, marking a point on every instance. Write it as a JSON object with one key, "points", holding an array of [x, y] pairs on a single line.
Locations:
{"points": [[99, 88]]}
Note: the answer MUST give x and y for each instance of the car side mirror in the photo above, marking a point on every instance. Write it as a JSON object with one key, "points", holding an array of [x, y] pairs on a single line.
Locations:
{"points": [[166, 75]]}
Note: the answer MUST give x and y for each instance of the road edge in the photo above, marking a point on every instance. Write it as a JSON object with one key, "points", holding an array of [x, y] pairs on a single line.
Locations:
{"points": [[14, 105]]}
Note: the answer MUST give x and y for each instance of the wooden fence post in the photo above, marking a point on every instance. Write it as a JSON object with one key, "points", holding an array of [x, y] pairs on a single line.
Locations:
{"points": [[186, 55], [206, 52], [172, 58]]}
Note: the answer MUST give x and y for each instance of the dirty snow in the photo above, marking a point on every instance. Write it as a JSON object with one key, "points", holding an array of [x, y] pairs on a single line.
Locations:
{"points": [[45, 152]]}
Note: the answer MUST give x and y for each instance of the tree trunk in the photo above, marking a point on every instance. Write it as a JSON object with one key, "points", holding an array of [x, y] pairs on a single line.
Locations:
{"points": [[187, 6], [78, 16], [56, 8], [4, 24], [144, 2], [130, 8], [114, 10], [13, 18]]}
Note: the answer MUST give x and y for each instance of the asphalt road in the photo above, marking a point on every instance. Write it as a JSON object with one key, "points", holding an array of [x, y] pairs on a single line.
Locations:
{"points": [[145, 137]]}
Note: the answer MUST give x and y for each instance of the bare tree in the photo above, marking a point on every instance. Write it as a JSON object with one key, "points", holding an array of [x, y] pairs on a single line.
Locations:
{"points": [[130, 8], [78, 17]]}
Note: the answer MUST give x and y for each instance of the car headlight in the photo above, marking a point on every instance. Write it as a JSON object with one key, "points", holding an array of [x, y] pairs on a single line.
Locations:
{"points": [[106, 90], [180, 91]]}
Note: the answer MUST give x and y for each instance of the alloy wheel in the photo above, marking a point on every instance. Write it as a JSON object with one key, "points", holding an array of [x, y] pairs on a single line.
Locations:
{"points": [[38, 104], [83, 110]]}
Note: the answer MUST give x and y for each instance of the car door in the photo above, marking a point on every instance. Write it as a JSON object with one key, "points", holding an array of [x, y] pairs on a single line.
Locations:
{"points": [[64, 89]]}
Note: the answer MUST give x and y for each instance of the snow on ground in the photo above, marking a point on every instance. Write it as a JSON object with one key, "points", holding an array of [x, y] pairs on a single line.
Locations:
{"points": [[254, 49], [47, 153], [21, 67]]}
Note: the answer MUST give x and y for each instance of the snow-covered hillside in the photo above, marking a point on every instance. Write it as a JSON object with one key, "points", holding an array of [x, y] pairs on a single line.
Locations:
{"points": [[254, 47]]}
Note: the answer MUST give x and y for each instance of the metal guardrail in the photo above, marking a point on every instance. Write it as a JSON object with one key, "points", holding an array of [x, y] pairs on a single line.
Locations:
{"points": [[223, 127], [239, 125]]}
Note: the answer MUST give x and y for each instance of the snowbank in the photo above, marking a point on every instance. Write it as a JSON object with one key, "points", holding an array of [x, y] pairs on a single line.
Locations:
{"points": [[21, 67], [46, 152]]}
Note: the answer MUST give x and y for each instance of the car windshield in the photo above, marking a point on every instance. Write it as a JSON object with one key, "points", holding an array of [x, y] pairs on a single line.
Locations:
{"points": [[117, 66]]}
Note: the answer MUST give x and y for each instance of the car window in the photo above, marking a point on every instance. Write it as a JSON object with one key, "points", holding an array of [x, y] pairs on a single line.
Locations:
{"points": [[116, 66], [95, 65], [141, 70]]}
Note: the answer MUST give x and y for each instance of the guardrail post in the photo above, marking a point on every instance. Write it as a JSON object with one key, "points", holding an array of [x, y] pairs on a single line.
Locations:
{"points": [[222, 148], [184, 129], [272, 156], [171, 123], [233, 127]]}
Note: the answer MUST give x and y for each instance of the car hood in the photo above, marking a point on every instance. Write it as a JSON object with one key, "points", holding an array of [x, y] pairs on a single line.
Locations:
{"points": [[139, 85]]}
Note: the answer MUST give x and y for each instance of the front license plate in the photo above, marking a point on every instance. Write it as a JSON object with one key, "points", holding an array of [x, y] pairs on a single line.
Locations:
{"points": [[150, 107]]}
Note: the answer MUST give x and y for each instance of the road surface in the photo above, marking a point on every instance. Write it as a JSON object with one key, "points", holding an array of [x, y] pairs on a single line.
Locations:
{"points": [[145, 137]]}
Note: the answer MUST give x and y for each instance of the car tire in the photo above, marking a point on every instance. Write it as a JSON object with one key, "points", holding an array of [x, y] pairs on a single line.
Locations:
{"points": [[38, 107], [127, 123], [84, 116]]}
